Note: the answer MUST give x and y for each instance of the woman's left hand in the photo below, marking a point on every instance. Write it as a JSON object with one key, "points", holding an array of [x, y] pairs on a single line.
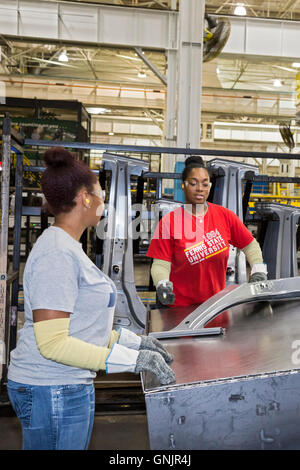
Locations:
{"points": [[153, 344], [258, 277]]}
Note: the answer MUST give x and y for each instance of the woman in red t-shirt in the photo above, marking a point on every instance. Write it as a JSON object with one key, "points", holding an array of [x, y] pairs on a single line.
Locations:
{"points": [[190, 245]]}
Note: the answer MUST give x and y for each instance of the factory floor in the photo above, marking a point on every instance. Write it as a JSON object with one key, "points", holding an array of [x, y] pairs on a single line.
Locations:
{"points": [[112, 430], [118, 432]]}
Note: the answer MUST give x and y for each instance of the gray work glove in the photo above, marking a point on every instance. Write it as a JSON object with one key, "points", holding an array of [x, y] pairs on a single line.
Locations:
{"points": [[153, 362], [258, 277], [165, 294], [152, 344]]}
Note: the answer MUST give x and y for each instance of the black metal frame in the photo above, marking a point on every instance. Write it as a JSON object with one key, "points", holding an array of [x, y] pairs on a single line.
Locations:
{"points": [[12, 281], [163, 150]]}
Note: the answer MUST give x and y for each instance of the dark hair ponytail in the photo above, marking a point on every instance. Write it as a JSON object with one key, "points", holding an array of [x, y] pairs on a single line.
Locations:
{"points": [[194, 161], [63, 178]]}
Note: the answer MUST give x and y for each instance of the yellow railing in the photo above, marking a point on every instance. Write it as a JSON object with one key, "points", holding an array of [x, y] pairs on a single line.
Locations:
{"points": [[31, 176]]}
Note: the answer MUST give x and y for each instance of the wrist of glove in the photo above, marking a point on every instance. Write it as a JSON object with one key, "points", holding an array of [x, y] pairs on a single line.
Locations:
{"points": [[165, 294], [152, 344], [153, 362], [258, 273], [131, 340]]}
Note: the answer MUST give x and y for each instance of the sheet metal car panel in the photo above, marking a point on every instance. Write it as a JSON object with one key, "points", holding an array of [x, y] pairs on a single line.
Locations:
{"points": [[239, 390]]}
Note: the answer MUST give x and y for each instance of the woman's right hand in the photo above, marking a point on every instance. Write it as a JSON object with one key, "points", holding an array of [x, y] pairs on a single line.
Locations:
{"points": [[153, 361], [165, 294]]}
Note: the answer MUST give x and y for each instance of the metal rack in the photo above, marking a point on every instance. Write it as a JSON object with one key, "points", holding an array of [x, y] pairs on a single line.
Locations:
{"points": [[9, 281]]}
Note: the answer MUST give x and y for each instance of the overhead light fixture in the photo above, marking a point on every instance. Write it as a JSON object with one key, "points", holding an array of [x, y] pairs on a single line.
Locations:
{"points": [[63, 57], [240, 10], [296, 65], [111, 133], [142, 74], [98, 110], [277, 82]]}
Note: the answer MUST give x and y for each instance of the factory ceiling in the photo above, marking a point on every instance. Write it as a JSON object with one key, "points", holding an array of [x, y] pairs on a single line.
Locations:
{"points": [[287, 9], [121, 83]]}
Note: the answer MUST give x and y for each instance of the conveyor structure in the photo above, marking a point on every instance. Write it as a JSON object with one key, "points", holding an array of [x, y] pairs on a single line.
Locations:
{"points": [[277, 235], [118, 244]]}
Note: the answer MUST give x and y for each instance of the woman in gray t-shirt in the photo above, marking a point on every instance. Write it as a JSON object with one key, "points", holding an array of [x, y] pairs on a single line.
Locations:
{"points": [[69, 309]]}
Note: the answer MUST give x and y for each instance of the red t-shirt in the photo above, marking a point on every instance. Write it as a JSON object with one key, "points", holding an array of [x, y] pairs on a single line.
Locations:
{"points": [[198, 249]]}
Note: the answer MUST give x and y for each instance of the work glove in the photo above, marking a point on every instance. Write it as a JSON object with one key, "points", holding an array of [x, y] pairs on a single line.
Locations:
{"points": [[131, 340], [164, 291], [152, 344], [256, 277], [153, 362], [258, 273]]}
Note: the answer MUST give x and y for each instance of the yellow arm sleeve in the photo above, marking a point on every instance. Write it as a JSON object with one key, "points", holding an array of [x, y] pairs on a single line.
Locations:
{"points": [[54, 342], [253, 253], [114, 336], [160, 270]]}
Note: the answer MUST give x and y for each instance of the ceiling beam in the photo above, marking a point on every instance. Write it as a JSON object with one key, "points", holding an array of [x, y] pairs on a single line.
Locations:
{"points": [[89, 63], [87, 23], [151, 66], [290, 5]]}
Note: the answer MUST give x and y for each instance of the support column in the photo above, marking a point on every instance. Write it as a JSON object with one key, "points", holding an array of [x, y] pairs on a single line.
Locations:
{"points": [[168, 161], [191, 22]]}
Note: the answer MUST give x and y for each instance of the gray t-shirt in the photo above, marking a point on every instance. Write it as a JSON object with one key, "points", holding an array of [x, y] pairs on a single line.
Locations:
{"points": [[59, 276]]}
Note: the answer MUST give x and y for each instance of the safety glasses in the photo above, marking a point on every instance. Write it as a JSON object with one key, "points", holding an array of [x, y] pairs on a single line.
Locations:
{"points": [[99, 194], [197, 184]]}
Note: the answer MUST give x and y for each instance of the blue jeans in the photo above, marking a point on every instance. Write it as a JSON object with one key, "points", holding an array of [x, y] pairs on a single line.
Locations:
{"points": [[54, 417]]}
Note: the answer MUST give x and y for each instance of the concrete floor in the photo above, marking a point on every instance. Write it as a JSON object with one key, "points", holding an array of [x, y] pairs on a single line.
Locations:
{"points": [[123, 432]]}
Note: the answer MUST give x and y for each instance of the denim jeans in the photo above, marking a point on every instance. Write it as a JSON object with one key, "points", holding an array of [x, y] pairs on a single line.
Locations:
{"points": [[54, 417]]}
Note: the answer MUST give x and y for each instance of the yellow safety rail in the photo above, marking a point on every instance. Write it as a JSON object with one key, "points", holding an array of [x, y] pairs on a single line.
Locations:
{"points": [[31, 176]]}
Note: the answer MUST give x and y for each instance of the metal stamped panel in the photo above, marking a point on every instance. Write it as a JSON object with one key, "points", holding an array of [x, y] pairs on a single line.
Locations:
{"points": [[257, 413], [259, 338]]}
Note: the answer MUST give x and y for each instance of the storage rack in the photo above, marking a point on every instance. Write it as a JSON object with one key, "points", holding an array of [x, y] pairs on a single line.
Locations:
{"points": [[9, 281]]}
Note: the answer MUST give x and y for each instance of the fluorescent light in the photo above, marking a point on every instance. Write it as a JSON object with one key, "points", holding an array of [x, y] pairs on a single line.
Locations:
{"points": [[142, 75], [111, 133], [277, 82], [296, 64], [240, 10], [98, 110], [63, 57], [127, 57], [242, 124]]}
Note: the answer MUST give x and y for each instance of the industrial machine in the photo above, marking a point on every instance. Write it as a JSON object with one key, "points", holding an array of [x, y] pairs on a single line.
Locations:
{"points": [[278, 235], [118, 245]]}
